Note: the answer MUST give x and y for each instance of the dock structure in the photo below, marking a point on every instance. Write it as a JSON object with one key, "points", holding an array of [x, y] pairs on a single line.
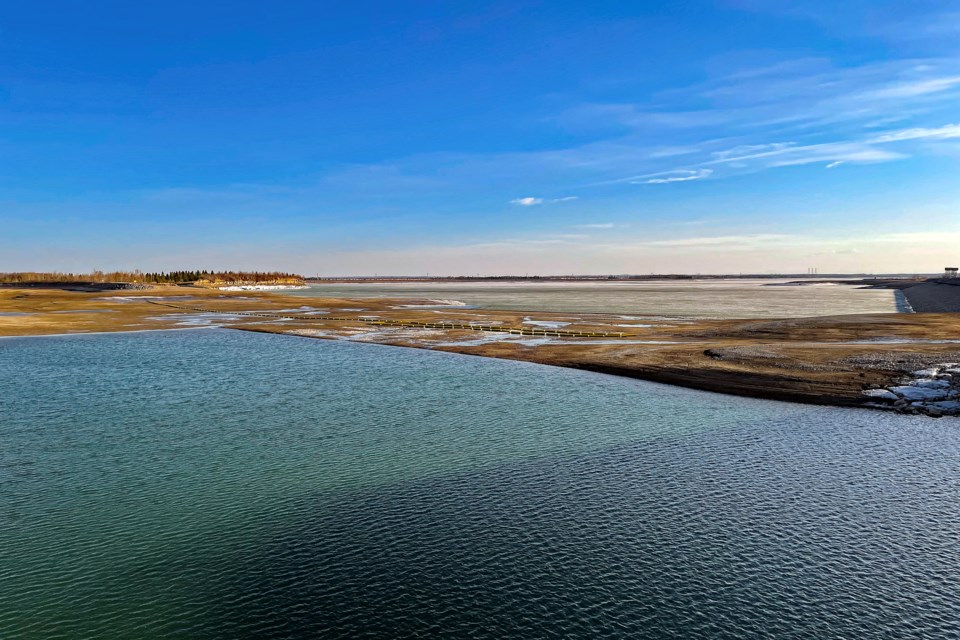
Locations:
{"points": [[412, 324]]}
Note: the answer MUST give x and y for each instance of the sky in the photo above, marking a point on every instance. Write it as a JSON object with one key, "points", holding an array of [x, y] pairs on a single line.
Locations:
{"points": [[463, 138]]}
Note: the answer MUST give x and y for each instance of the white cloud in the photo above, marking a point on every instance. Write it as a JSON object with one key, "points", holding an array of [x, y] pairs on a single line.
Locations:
{"points": [[527, 202], [836, 163], [597, 225]]}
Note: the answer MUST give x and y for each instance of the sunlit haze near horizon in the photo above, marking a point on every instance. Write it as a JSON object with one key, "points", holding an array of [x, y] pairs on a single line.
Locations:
{"points": [[481, 138]]}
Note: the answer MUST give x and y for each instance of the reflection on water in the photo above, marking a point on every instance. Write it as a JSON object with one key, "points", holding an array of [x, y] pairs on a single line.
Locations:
{"points": [[683, 298], [222, 484]]}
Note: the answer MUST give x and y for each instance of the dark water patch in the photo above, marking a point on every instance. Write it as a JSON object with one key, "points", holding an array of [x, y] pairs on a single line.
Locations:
{"points": [[738, 533]]}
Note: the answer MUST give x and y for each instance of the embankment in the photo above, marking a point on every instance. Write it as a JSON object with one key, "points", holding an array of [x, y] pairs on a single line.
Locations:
{"points": [[933, 297]]}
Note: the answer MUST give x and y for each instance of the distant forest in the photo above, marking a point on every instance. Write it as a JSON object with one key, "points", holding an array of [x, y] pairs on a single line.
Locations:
{"points": [[168, 277]]}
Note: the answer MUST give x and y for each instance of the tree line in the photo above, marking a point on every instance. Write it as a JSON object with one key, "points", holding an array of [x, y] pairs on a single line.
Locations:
{"points": [[159, 277]]}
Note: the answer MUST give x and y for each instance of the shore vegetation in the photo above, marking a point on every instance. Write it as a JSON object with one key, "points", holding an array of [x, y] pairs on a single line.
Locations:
{"points": [[198, 277]]}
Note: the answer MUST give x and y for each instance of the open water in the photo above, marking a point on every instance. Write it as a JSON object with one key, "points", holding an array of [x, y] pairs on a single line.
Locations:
{"points": [[673, 298], [220, 484]]}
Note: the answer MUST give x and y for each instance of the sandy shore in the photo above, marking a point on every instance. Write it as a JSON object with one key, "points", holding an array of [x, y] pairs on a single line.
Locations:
{"points": [[840, 360]]}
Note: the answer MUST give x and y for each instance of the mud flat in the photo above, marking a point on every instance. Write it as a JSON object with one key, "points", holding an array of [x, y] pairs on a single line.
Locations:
{"points": [[840, 360]]}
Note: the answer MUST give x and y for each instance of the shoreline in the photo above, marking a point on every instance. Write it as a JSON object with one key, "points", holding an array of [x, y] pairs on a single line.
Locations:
{"points": [[634, 374], [101, 333], [849, 361], [706, 383]]}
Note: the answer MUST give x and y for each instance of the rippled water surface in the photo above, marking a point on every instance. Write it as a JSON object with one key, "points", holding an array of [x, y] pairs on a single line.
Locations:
{"points": [[688, 298], [219, 484]]}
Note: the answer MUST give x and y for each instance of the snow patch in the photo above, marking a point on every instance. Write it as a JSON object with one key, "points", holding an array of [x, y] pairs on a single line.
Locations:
{"points": [[546, 324], [882, 394], [909, 392], [261, 287], [433, 304]]}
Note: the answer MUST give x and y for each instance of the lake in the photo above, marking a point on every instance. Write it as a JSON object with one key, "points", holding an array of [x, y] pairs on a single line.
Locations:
{"points": [[671, 298], [221, 484]]}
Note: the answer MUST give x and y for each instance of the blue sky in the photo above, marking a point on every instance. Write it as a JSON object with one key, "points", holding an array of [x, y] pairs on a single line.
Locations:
{"points": [[481, 137]]}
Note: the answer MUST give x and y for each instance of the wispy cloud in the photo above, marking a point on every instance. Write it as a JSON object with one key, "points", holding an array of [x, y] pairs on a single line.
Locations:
{"points": [[865, 150], [749, 150], [794, 113], [797, 94], [529, 242], [530, 201], [670, 152], [680, 175], [917, 88], [754, 157], [919, 133], [789, 156], [716, 241]]}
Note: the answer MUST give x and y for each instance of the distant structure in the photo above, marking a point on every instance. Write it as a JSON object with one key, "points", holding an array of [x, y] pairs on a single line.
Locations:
{"points": [[949, 273]]}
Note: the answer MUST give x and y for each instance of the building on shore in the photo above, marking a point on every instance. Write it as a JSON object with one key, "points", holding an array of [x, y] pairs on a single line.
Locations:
{"points": [[949, 273]]}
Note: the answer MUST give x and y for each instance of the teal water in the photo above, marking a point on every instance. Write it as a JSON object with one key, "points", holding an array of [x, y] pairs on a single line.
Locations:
{"points": [[220, 484]]}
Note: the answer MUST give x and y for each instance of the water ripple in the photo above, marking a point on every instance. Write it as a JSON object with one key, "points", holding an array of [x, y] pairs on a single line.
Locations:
{"points": [[229, 485]]}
